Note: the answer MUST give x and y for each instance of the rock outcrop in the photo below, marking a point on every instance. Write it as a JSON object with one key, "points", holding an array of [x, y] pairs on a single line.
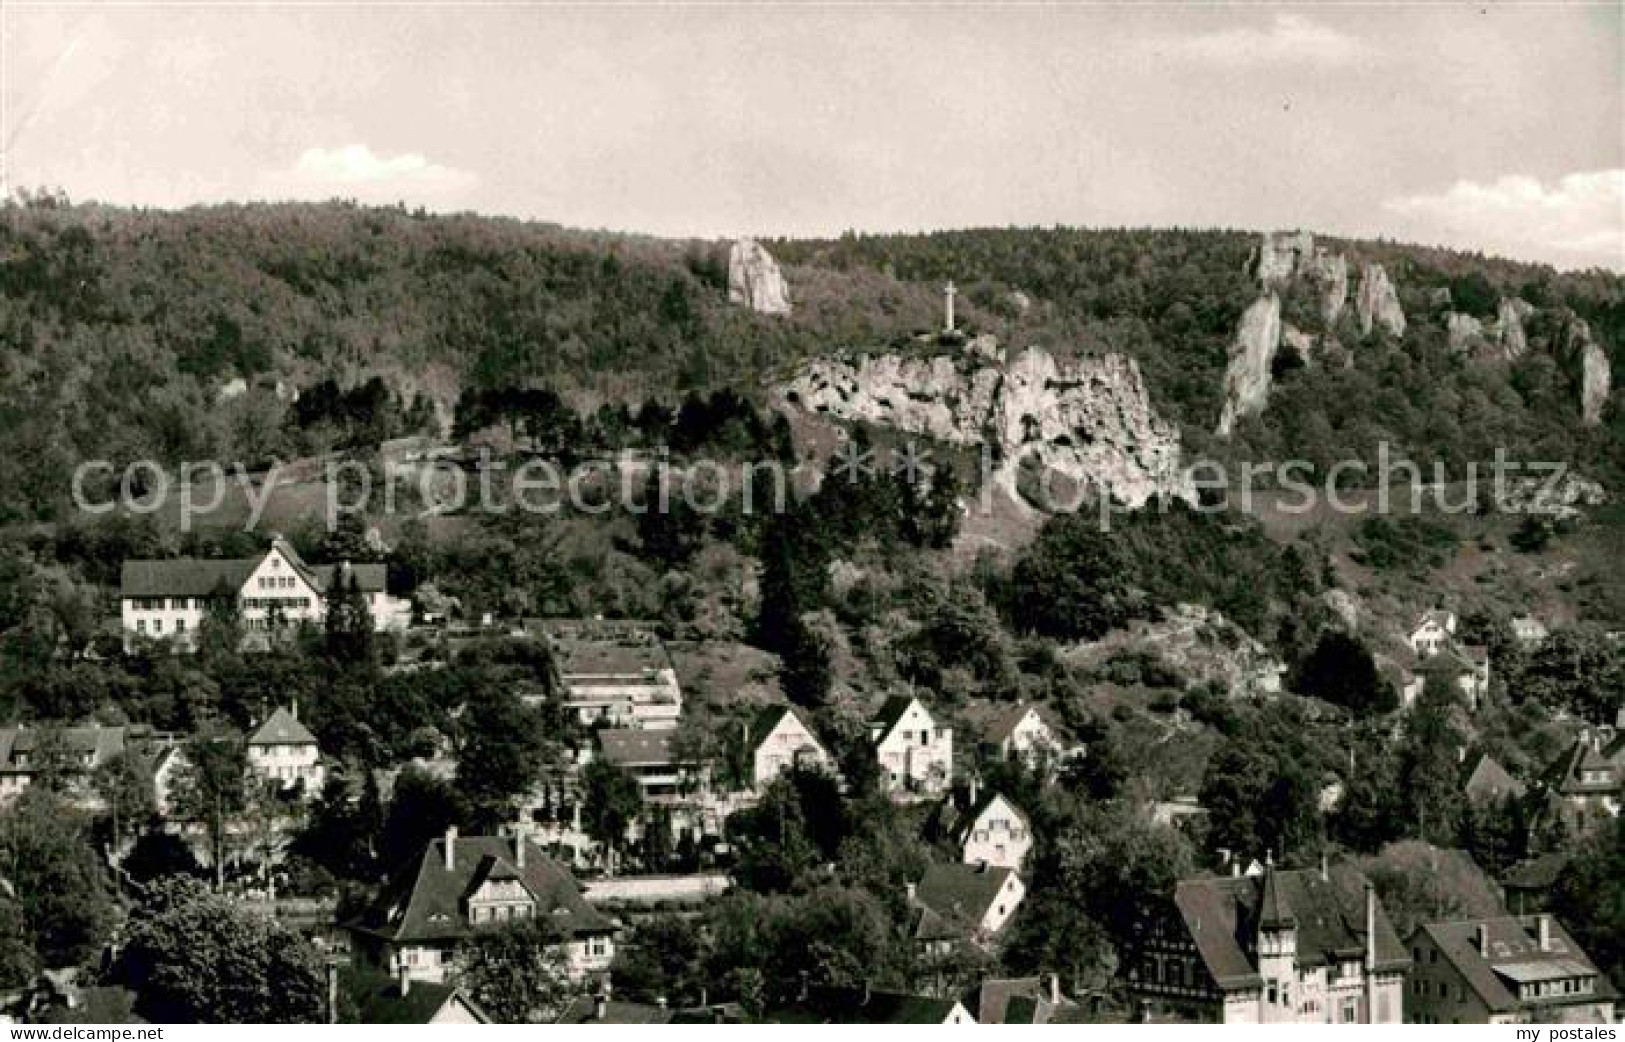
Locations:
{"points": [[1377, 304], [1465, 333], [1089, 419], [1282, 256], [1587, 365], [1247, 380], [1299, 343], [754, 279], [1509, 333]]}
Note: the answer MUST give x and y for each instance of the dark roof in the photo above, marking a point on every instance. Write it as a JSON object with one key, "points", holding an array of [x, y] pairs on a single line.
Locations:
{"points": [[961, 893], [891, 711], [768, 717], [379, 1001], [1484, 778], [1006, 723], [1539, 873], [102, 743], [424, 902], [1564, 775], [197, 577], [963, 826], [1011, 1000], [1274, 913], [1222, 915], [830, 1005], [282, 728], [629, 746], [1514, 953], [583, 1009]]}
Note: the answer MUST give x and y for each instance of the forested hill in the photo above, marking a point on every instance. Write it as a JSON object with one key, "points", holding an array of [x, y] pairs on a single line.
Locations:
{"points": [[122, 328]]}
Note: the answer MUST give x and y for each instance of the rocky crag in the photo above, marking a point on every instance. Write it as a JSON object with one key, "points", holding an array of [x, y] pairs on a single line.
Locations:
{"points": [[1088, 419], [1281, 261], [755, 281]]}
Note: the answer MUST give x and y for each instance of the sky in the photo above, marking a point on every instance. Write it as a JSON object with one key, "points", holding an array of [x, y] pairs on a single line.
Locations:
{"points": [[1496, 127]]}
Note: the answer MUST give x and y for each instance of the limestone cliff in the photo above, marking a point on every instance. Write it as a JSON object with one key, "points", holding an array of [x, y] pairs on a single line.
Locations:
{"points": [[1464, 332], [754, 279], [1089, 419], [1377, 303], [1587, 365], [1247, 380], [1282, 256], [1509, 332]]}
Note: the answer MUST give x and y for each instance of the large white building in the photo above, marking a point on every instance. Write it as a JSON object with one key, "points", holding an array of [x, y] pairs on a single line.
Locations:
{"points": [[168, 600]]}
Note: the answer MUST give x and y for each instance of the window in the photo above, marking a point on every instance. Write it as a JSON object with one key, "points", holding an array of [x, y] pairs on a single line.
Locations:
{"points": [[157, 625], [141, 625], [180, 625]]}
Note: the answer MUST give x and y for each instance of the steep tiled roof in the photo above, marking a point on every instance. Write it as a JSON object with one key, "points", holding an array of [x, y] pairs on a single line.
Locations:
{"points": [[961, 893], [828, 1005], [627, 746], [1006, 723], [1274, 913], [197, 577], [102, 743], [423, 900], [769, 717], [282, 728], [379, 1000], [891, 711], [583, 1009], [1011, 1000], [1565, 775], [967, 821], [1514, 953], [1222, 917], [1485, 779]]}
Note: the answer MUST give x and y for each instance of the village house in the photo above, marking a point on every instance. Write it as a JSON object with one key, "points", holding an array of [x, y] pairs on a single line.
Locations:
{"points": [[615, 671], [1529, 631], [168, 600], [993, 831], [916, 756], [818, 1004], [1023, 733], [666, 780], [1485, 781], [955, 904], [26, 752], [1583, 785], [781, 738], [1302, 946], [1433, 632], [404, 1001], [461, 884], [285, 752], [1507, 970], [1018, 1000]]}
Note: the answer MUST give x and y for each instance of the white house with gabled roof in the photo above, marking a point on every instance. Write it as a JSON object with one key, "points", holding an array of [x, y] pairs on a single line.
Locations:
{"points": [[915, 754], [285, 752]]}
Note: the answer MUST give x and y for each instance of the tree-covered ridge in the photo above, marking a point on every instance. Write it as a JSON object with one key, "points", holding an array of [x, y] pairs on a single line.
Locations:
{"points": [[122, 329]]}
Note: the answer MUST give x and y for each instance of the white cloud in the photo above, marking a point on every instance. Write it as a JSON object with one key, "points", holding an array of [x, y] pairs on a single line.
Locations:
{"points": [[1577, 221], [1288, 38], [356, 171]]}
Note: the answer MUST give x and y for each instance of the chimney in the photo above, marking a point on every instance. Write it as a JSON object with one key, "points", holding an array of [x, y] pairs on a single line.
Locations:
{"points": [[1461, 754], [910, 891], [1055, 989], [1543, 930], [1481, 939], [403, 974], [1370, 926], [519, 850], [451, 847], [1235, 867], [975, 789], [293, 708]]}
